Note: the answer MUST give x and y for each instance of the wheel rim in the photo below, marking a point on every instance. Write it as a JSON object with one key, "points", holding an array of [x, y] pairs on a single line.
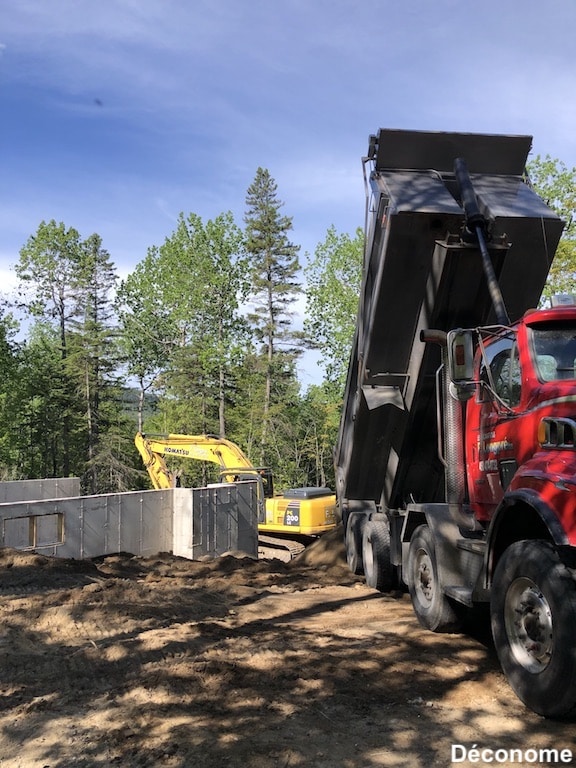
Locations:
{"points": [[528, 621], [351, 555], [353, 546], [368, 556], [424, 577]]}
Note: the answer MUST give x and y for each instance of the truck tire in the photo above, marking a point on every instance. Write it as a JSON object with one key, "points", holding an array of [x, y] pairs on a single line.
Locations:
{"points": [[353, 541], [378, 570], [533, 618], [431, 606]]}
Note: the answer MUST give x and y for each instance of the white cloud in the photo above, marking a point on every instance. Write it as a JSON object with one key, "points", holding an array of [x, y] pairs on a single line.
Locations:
{"points": [[8, 280]]}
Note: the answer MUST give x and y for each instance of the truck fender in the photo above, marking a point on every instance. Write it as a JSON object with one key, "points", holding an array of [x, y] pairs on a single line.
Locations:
{"points": [[402, 528], [411, 520], [520, 515]]}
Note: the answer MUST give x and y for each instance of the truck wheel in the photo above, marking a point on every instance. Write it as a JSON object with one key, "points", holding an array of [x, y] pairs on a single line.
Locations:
{"points": [[378, 570], [431, 606], [353, 541], [533, 617]]}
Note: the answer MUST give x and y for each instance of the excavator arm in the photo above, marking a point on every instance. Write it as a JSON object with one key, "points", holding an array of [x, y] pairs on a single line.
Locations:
{"points": [[233, 462], [160, 475]]}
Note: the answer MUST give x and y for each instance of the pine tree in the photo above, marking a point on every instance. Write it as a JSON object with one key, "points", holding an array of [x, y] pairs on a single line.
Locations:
{"points": [[274, 268], [93, 358], [47, 271]]}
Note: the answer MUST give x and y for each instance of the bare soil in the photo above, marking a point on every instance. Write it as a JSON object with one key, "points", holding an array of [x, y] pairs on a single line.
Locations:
{"points": [[141, 662]]}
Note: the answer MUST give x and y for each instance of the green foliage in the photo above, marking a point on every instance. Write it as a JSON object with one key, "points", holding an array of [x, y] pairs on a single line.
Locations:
{"points": [[556, 184], [274, 264], [47, 399], [10, 396], [71, 360], [48, 271], [320, 409], [175, 327], [333, 284], [93, 356], [145, 330], [562, 275], [181, 326]]}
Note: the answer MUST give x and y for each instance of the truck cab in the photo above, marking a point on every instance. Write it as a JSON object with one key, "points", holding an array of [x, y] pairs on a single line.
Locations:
{"points": [[520, 425]]}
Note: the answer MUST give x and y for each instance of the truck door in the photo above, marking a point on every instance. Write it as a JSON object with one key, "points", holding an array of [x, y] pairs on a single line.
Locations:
{"points": [[491, 431]]}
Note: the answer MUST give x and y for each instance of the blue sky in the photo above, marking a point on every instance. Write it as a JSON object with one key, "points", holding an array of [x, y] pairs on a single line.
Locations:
{"points": [[119, 114]]}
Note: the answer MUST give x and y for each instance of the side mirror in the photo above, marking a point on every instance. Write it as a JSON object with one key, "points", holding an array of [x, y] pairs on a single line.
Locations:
{"points": [[460, 349]]}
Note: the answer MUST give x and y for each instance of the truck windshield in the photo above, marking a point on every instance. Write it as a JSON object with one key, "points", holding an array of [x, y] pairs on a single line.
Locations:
{"points": [[554, 348]]}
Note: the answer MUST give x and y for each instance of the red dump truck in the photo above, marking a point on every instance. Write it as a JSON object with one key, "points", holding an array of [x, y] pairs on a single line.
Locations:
{"points": [[456, 457]]}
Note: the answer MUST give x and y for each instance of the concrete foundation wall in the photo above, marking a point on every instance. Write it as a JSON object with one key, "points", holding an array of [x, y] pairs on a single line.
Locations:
{"points": [[189, 522]]}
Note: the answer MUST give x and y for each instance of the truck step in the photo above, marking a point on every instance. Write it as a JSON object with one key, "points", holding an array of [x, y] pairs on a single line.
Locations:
{"points": [[460, 594], [476, 546]]}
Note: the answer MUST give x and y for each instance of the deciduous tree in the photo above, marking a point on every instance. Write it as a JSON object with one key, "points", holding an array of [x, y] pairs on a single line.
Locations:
{"points": [[332, 286], [181, 320], [556, 184]]}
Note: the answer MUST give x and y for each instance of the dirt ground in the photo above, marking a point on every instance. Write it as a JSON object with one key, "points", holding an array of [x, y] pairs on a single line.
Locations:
{"points": [[133, 662]]}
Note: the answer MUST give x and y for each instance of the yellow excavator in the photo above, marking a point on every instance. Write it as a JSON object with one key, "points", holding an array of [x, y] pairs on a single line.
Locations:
{"points": [[286, 523]]}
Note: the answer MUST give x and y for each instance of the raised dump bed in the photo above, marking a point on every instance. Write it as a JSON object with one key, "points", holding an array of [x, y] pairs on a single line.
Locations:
{"points": [[421, 272]]}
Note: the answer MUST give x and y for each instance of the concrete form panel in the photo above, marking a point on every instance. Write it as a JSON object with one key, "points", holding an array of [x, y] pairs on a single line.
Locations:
{"points": [[183, 538], [16, 532], [45, 488]]}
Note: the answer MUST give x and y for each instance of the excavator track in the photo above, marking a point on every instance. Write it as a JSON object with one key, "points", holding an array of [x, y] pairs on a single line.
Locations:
{"points": [[270, 547]]}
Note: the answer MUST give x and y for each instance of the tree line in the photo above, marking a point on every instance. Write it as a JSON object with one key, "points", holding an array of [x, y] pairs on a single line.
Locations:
{"points": [[200, 338]]}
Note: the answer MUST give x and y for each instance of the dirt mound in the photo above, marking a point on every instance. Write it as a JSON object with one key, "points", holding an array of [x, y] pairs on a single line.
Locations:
{"points": [[327, 551], [27, 571]]}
